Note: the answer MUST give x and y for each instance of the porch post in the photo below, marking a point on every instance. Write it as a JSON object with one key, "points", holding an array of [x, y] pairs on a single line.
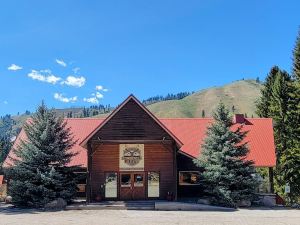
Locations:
{"points": [[175, 169], [271, 179], [89, 172]]}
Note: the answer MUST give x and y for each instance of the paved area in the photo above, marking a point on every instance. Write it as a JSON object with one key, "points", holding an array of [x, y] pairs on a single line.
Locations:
{"points": [[128, 217]]}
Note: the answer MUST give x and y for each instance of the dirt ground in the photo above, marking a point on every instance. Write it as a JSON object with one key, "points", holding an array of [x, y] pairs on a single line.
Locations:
{"points": [[91, 217]]}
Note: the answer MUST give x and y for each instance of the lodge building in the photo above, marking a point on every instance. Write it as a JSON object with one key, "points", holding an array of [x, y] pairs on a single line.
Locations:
{"points": [[133, 155]]}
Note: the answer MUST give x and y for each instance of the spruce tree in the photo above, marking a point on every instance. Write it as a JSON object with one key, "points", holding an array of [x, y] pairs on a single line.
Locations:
{"points": [[39, 173], [228, 175]]}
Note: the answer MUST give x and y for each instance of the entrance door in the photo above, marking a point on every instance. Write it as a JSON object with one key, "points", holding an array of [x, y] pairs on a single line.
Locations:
{"points": [[132, 186]]}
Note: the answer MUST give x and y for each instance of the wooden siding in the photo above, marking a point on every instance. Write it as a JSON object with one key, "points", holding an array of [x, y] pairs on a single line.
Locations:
{"points": [[131, 123], [158, 157]]}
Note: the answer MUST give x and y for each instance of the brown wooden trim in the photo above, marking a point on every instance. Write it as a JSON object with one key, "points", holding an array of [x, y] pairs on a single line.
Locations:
{"points": [[271, 179], [175, 171], [89, 173], [132, 141]]}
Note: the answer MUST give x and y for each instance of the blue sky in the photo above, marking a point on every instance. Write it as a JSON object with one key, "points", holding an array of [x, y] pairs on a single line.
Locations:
{"points": [[60, 51]]}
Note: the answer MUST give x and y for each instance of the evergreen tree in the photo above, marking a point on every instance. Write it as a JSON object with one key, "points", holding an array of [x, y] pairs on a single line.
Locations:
{"points": [[278, 110], [263, 104], [40, 173], [289, 167], [203, 113], [228, 175]]}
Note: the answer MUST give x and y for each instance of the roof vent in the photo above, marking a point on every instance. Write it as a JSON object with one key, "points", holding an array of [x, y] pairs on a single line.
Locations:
{"points": [[239, 118]]}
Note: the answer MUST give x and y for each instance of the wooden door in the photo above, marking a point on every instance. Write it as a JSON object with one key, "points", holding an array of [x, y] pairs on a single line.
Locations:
{"points": [[132, 186]]}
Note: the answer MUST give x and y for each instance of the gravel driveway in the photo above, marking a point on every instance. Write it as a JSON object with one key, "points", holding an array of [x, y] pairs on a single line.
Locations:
{"points": [[240, 217]]}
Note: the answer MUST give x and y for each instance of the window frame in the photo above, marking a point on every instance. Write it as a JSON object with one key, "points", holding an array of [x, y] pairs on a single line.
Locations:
{"points": [[188, 171]]}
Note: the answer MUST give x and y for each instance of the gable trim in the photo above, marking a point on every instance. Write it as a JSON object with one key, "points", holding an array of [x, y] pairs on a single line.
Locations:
{"points": [[131, 97]]}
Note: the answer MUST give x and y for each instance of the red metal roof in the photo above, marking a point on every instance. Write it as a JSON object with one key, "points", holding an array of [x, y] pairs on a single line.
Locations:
{"points": [[1, 179], [260, 138], [190, 131]]}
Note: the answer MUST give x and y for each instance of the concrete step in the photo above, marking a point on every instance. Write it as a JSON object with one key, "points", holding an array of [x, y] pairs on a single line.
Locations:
{"points": [[117, 205]]}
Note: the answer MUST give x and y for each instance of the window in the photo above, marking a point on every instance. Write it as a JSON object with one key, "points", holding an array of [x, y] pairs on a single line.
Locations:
{"points": [[125, 180], [81, 176], [189, 177], [111, 188], [138, 180], [153, 184]]}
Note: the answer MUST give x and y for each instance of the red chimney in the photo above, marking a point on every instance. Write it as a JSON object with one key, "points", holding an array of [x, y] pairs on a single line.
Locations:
{"points": [[239, 118]]}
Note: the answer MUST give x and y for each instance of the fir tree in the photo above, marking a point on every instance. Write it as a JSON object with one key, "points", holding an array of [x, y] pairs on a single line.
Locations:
{"points": [[40, 173], [263, 104], [228, 175], [289, 167]]}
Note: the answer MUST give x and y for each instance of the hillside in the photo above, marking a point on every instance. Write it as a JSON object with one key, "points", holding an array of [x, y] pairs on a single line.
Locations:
{"points": [[240, 94]]}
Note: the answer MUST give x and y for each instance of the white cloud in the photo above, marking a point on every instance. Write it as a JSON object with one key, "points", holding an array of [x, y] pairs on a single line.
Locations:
{"points": [[76, 70], [61, 98], [93, 100], [99, 95], [61, 62], [44, 76], [99, 87], [14, 67], [74, 81]]}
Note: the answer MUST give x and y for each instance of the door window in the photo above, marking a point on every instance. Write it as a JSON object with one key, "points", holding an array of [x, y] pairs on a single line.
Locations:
{"points": [[111, 185], [138, 180], [153, 184], [125, 180]]}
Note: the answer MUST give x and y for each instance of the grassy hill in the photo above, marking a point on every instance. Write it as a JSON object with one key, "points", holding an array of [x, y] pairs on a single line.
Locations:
{"points": [[240, 94]]}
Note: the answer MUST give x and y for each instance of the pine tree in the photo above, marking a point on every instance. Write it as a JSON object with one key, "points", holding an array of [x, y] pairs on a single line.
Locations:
{"points": [[40, 173], [203, 113], [263, 104], [228, 175]]}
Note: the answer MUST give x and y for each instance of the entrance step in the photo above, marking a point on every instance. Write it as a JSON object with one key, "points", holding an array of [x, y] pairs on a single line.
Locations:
{"points": [[118, 205]]}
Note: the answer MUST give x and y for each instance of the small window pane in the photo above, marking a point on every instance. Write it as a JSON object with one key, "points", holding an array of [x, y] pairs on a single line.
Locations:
{"points": [[138, 180], [125, 180], [153, 184], [189, 178], [111, 188]]}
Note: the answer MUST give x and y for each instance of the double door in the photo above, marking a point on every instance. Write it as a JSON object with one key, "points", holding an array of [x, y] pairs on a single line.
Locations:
{"points": [[132, 185]]}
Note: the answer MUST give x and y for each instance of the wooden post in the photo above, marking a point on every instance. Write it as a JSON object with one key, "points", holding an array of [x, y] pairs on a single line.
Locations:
{"points": [[89, 172], [271, 179], [175, 169]]}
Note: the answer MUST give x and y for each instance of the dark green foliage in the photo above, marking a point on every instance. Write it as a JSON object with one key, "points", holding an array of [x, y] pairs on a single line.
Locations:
{"points": [[160, 98], [6, 134], [263, 103], [203, 113], [40, 173], [228, 176], [296, 58], [281, 101]]}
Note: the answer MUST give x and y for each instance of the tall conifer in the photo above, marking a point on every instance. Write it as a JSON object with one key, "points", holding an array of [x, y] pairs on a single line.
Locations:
{"points": [[40, 173], [228, 175]]}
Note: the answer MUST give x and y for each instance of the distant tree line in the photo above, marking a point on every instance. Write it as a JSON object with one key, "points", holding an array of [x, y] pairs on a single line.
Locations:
{"points": [[90, 111], [160, 98]]}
